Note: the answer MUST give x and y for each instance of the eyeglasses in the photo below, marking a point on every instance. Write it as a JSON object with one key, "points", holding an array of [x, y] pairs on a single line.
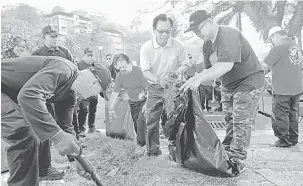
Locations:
{"points": [[189, 57], [164, 31], [90, 55], [108, 58], [197, 32]]}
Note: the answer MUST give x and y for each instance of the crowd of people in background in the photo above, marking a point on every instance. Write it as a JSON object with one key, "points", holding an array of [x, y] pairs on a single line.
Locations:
{"points": [[229, 79]]}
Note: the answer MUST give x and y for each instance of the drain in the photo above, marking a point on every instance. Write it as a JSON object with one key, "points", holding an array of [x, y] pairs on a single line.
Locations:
{"points": [[217, 124]]}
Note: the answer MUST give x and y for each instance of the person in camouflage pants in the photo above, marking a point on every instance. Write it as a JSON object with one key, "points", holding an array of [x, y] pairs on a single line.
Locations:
{"points": [[229, 56], [240, 110]]}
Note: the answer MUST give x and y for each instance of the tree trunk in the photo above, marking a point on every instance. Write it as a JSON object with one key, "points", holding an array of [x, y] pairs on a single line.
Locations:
{"points": [[239, 21], [300, 38]]}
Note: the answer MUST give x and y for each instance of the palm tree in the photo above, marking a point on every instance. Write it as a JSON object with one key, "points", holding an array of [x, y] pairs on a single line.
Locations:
{"points": [[233, 9], [263, 14]]}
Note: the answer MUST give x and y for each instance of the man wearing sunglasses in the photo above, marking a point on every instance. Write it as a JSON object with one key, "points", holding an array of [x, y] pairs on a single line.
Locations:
{"points": [[229, 56], [158, 58], [27, 83], [87, 106], [51, 48]]}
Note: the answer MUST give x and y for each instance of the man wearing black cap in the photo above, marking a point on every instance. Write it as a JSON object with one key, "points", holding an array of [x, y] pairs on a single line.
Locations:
{"points": [[51, 48], [229, 56], [27, 83], [89, 105]]}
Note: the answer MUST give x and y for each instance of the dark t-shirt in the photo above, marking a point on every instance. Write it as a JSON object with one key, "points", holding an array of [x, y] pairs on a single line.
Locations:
{"points": [[231, 46], [286, 61], [133, 83]]}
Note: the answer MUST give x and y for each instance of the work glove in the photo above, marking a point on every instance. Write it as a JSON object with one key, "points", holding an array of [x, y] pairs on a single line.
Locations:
{"points": [[65, 143], [84, 173]]}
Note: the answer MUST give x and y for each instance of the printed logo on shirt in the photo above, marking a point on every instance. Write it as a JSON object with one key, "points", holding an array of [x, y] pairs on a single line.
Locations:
{"points": [[295, 56], [213, 58]]}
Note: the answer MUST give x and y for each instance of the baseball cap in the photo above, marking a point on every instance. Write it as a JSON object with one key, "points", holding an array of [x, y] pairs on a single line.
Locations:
{"points": [[102, 74], [88, 51], [49, 30], [196, 18], [272, 31]]}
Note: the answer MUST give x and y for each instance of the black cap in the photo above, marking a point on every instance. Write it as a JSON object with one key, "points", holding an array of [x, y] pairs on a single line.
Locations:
{"points": [[196, 18], [88, 51], [49, 30]]}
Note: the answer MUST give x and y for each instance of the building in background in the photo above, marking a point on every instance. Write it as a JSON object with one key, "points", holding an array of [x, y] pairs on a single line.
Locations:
{"points": [[117, 39], [68, 22]]}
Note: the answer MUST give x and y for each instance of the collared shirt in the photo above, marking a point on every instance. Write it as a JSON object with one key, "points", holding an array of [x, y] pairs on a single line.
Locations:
{"points": [[286, 61], [57, 51], [162, 60]]}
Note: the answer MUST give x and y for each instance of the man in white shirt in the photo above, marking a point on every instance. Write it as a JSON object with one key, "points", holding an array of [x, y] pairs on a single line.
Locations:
{"points": [[159, 57]]}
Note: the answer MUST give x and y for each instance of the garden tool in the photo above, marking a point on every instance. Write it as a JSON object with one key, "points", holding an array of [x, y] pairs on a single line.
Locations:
{"points": [[82, 162]]}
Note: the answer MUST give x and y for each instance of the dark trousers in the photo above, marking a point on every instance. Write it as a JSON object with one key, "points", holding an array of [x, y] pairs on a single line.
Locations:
{"points": [[45, 156], [22, 154], [87, 107], [205, 93], [285, 117], [76, 122], [139, 120], [154, 106]]}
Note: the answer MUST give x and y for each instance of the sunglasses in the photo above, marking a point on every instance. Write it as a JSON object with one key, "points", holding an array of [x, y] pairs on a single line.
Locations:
{"points": [[164, 31], [90, 55]]}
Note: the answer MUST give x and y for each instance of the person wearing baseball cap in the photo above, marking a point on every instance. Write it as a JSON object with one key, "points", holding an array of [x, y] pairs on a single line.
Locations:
{"points": [[51, 48], [285, 58], [88, 106], [27, 83], [272, 32], [229, 56]]}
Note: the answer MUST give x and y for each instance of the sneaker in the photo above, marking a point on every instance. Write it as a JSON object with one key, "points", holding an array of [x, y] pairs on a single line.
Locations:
{"points": [[139, 151], [91, 130], [282, 143], [82, 135], [293, 143], [51, 174], [239, 167], [158, 153]]}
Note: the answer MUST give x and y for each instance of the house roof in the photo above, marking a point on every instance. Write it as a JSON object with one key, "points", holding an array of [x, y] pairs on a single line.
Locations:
{"points": [[67, 14], [111, 30]]}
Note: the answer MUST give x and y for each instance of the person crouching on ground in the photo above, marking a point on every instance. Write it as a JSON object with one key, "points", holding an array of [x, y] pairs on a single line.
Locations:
{"points": [[132, 80]]}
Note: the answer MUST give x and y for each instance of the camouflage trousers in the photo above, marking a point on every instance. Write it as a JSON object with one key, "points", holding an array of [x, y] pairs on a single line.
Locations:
{"points": [[240, 109]]}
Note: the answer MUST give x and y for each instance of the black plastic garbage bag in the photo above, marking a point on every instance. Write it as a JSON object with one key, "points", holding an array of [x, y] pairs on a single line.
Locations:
{"points": [[192, 141]]}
